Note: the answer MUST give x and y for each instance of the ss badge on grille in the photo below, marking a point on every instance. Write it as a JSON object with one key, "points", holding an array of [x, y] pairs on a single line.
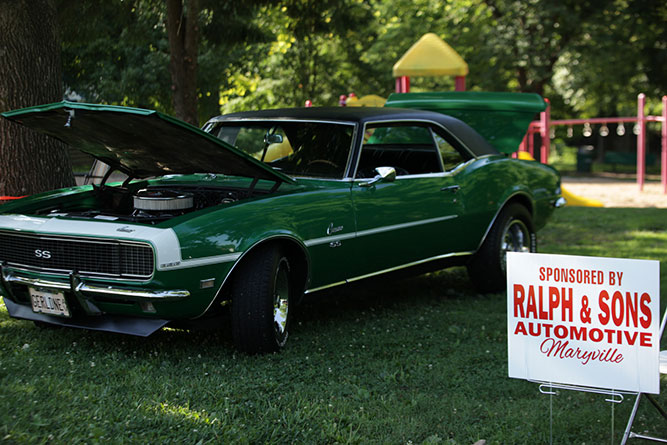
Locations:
{"points": [[42, 254]]}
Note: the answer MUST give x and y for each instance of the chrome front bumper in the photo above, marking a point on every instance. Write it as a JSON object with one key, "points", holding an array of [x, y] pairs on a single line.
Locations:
{"points": [[83, 291]]}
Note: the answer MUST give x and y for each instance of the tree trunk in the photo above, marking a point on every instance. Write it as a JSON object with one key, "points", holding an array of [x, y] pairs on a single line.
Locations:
{"points": [[183, 33], [30, 74]]}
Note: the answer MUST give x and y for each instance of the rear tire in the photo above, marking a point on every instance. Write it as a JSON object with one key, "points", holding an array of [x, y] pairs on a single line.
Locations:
{"points": [[513, 231], [261, 297]]}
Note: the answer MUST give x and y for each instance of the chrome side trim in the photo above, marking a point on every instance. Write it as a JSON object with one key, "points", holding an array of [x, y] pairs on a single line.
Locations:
{"points": [[346, 236], [404, 225], [203, 261], [325, 287], [391, 269], [329, 239]]}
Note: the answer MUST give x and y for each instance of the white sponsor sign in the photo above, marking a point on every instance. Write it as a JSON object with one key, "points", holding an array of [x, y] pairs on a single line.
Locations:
{"points": [[585, 321]]}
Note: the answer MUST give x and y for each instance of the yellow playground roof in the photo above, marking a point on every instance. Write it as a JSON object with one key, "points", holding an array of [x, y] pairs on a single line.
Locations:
{"points": [[430, 56]]}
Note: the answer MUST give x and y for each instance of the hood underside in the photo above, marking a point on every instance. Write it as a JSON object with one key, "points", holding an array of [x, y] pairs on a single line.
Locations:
{"points": [[141, 143]]}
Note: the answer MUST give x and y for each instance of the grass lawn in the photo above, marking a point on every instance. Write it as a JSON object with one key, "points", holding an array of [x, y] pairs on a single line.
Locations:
{"points": [[421, 360]]}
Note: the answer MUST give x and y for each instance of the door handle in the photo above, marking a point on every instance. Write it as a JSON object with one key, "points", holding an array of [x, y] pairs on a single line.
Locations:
{"points": [[451, 188]]}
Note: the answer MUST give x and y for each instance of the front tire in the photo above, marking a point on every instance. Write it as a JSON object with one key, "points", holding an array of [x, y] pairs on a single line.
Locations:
{"points": [[262, 293], [513, 231]]}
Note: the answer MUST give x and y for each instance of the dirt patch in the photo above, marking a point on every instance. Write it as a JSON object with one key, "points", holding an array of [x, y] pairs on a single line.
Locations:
{"points": [[617, 192]]}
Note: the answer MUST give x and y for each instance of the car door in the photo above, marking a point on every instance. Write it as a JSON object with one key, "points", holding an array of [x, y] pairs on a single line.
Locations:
{"points": [[415, 217]]}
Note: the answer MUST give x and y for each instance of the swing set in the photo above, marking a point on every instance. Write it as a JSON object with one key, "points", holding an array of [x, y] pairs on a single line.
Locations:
{"points": [[545, 128]]}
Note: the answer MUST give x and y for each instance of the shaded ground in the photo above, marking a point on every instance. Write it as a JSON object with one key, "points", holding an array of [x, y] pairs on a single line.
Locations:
{"points": [[617, 190]]}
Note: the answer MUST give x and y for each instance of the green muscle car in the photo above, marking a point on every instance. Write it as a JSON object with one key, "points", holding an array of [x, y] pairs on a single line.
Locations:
{"points": [[256, 209]]}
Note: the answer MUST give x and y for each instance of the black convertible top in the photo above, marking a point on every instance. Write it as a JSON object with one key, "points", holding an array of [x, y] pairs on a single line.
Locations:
{"points": [[362, 115]]}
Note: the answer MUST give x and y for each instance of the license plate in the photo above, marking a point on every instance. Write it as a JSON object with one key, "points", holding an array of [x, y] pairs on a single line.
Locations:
{"points": [[52, 303]]}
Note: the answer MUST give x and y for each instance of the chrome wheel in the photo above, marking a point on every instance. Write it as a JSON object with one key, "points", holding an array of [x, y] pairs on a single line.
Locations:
{"points": [[281, 301], [261, 293], [513, 231], [515, 238]]}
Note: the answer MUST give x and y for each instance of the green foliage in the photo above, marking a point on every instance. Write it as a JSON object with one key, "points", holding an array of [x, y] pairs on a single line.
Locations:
{"points": [[590, 57], [622, 52], [116, 52], [422, 360]]}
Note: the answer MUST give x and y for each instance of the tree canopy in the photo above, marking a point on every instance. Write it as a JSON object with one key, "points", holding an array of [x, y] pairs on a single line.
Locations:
{"points": [[590, 57]]}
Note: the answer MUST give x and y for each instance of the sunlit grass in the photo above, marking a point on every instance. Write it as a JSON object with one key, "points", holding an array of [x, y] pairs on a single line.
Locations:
{"points": [[422, 360]]}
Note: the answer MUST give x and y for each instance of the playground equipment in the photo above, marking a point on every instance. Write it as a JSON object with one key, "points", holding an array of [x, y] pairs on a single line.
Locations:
{"points": [[430, 56], [544, 127], [371, 100]]}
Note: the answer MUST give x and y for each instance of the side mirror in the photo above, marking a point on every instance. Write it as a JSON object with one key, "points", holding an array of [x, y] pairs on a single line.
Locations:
{"points": [[384, 174], [272, 139]]}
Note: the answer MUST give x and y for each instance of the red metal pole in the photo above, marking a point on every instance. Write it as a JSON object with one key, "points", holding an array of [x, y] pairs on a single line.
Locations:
{"points": [[522, 145], [402, 84], [663, 166], [641, 141], [531, 142], [545, 123], [460, 83]]}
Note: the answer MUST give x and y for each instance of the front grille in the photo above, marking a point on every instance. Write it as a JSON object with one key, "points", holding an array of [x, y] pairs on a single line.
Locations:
{"points": [[110, 258]]}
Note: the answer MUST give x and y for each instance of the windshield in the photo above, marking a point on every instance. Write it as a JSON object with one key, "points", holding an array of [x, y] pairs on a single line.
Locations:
{"points": [[296, 148]]}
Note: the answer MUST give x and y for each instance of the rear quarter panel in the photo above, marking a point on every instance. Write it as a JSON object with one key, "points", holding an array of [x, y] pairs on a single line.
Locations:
{"points": [[489, 183]]}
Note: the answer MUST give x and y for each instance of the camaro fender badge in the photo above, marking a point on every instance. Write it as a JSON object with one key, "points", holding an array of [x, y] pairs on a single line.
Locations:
{"points": [[335, 244], [331, 229], [172, 264], [126, 229]]}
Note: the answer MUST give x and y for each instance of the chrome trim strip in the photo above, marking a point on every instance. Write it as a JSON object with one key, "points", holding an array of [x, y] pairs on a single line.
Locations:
{"points": [[414, 263], [228, 119], [203, 261], [325, 287], [346, 236], [329, 239], [8, 277], [65, 273], [404, 225], [163, 295], [391, 269]]}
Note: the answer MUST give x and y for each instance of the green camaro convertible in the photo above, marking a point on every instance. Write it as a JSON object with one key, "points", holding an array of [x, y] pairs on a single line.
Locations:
{"points": [[258, 208]]}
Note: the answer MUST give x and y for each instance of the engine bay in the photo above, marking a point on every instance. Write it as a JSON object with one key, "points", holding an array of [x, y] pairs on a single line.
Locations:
{"points": [[151, 204]]}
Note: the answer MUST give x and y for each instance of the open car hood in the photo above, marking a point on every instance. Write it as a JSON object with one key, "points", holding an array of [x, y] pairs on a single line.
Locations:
{"points": [[501, 118], [141, 143]]}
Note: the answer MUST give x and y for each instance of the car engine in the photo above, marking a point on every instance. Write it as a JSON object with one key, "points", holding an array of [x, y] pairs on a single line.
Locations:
{"points": [[150, 205]]}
